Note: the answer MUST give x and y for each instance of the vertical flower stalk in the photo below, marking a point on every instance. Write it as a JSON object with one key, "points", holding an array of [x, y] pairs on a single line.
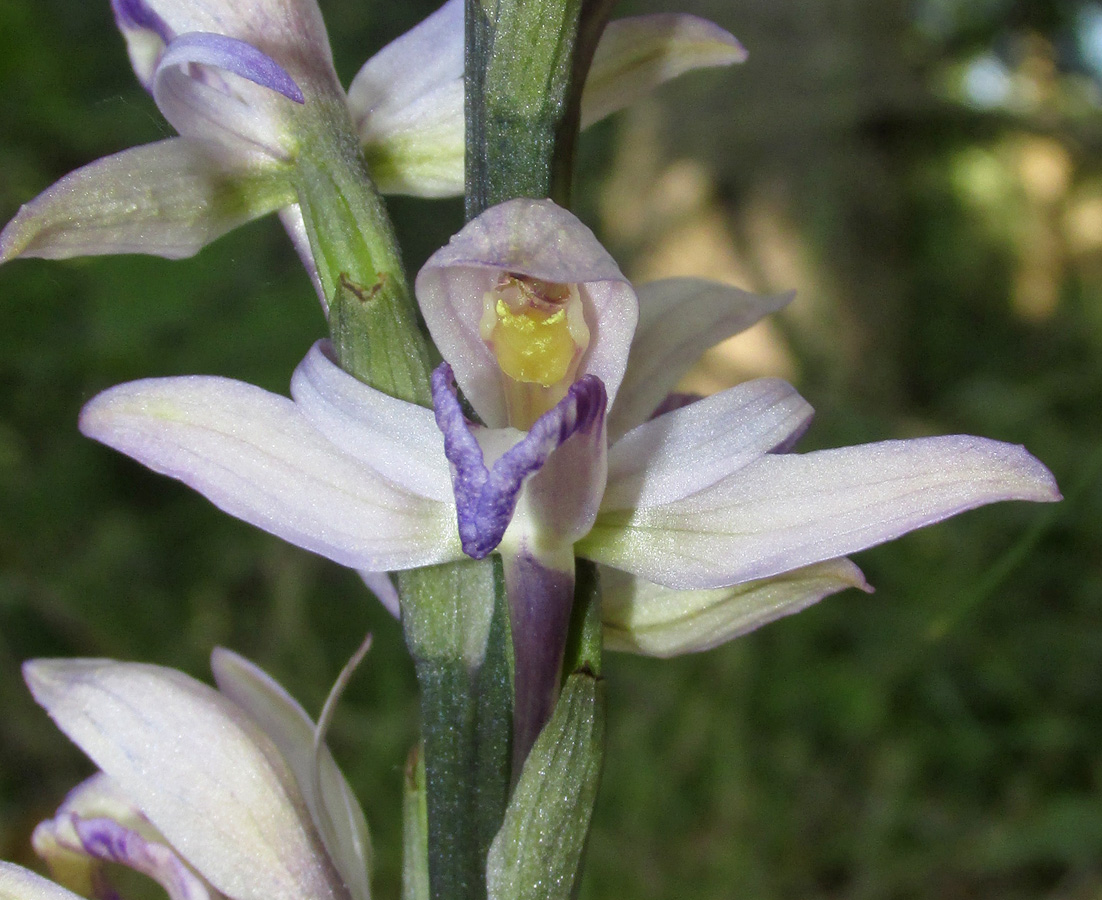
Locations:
{"points": [[525, 65]]}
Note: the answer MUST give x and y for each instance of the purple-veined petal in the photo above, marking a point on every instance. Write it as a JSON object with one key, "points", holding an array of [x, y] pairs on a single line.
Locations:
{"points": [[17, 883], [407, 105], [255, 455], [691, 448], [487, 496], [637, 54], [399, 440], [333, 806], [195, 765], [541, 240], [784, 511], [679, 318], [247, 114], [641, 617], [167, 199], [58, 844], [108, 841]]}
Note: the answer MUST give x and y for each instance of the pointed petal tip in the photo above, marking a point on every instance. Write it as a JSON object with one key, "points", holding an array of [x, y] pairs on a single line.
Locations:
{"points": [[849, 574], [15, 236], [1032, 479], [49, 678], [728, 49]]}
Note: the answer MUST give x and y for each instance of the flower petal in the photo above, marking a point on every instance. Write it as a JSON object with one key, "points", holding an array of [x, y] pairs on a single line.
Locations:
{"points": [[58, 844], [256, 456], [231, 55], [541, 240], [691, 448], [295, 226], [399, 440], [486, 497], [287, 30], [407, 104], [407, 100], [785, 511], [17, 883], [380, 584], [146, 34], [168, 199], [637, 54], [247, 114], [200, 771], [679, 318], [108, 841], [336, 812], [641, 617]]}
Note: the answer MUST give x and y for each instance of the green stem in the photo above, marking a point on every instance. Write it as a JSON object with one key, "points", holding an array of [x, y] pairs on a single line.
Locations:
{"points": [[449, 612], [526, 62], [520, 81], [372, 315], [460, 647]]}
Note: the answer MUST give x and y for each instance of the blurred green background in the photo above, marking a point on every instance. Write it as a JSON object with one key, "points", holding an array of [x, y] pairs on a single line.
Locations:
{"points": [[928, 175]]}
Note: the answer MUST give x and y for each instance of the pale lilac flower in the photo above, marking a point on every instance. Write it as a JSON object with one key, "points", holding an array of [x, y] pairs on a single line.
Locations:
{"points": [[713, 525], [248, 84], [213, 794]]}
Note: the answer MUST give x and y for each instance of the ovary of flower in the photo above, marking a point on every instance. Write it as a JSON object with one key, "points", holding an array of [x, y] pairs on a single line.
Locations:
{"points": [[537, 332]]}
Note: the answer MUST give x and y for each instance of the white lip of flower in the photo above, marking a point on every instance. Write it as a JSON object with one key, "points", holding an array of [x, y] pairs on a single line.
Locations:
{"points": [[244, 82], [694, 499], [227, 793]]}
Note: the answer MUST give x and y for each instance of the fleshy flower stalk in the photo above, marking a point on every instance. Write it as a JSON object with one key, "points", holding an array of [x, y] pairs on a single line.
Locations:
{"points": [[248, 85], [228, 793], [714, 526]]}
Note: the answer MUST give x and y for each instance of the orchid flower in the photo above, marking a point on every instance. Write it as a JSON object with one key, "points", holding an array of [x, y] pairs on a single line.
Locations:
{"points": [[213, 794], [710, 525], [247, 83]]}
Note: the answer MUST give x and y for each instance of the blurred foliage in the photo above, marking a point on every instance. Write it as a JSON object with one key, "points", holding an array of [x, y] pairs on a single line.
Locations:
{"points": [[928, 176]]}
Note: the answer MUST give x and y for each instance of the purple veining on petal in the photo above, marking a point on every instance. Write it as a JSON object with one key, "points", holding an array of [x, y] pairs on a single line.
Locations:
{"points": [[540, 600], [232, 55], [136, 14], [486, 498], [108, 840]]}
